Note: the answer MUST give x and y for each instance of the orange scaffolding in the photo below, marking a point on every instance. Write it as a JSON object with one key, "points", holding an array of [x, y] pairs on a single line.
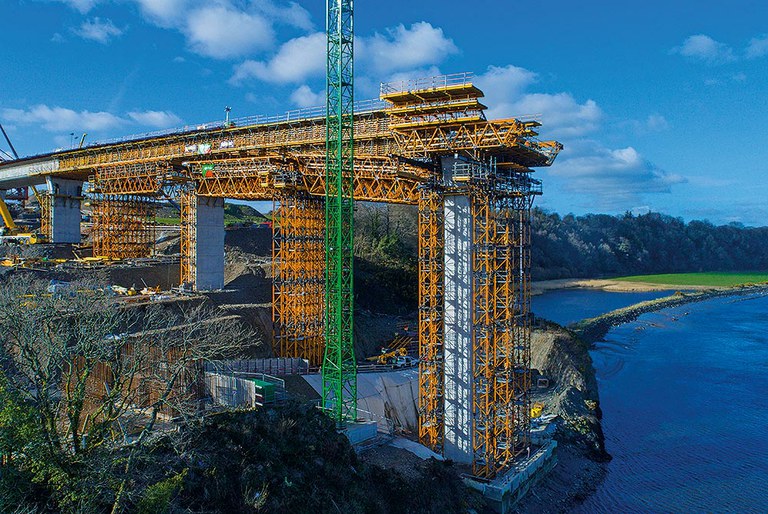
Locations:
{"points": [[298, 276], [398, 151], [123, 226], [431, 317]]}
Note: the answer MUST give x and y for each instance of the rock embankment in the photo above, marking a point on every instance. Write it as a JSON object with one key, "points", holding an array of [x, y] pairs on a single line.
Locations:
{"points": [[595, 329], [561, 356]]}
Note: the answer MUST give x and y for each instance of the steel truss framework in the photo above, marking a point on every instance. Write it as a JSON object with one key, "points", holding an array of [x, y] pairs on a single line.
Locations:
{"points": [[395, 158], [501, 326], [298, 276], [123, 226], [45, 200], [188, 236], [431, 316], [339, 364]]}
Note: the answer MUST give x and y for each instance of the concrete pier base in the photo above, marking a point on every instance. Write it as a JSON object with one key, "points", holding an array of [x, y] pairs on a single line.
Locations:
{"points": [[503, 493], [209, 243], [65, 209]]}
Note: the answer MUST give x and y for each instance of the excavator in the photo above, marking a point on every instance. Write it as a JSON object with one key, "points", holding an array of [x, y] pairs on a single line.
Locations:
{"points": [[11, 233]]}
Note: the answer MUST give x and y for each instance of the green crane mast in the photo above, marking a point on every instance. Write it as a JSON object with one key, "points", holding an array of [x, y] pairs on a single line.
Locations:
{"points": [[339, 366]]}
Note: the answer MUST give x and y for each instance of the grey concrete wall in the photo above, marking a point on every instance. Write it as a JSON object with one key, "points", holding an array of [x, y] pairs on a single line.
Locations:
{"points": [[26, 173], [209, 242], [458, 329], [65, 211]]}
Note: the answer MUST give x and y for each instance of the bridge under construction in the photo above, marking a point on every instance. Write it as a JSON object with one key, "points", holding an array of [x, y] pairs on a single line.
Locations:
{"points": [[424, 142]]}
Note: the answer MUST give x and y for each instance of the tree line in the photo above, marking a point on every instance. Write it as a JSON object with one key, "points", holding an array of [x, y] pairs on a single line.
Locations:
{"points": [[592, 245], [595, 245]]}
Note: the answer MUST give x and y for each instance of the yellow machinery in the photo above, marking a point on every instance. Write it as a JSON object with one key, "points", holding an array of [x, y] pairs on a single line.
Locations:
{"points": [[387, 356], [536, 410], [11, 233]]}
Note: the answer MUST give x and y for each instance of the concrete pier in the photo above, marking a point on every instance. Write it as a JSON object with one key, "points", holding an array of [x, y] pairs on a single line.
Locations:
{"points": [[458, 322], [65, 209], [209, 243]]}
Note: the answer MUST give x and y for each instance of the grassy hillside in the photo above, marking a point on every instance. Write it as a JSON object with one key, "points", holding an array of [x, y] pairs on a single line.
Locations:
{"points": [[715, 279], [233, 214]]}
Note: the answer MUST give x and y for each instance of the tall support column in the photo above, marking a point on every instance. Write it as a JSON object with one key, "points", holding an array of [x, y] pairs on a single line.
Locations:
{"points": [[298, 276], [520, 215], [202, 242], [458, 347], [484, 352], [339, 364], [64, 209], [123, 226], [187, 233], [431, 236]]}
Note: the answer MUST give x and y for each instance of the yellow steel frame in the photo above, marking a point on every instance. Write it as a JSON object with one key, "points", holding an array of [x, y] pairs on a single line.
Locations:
{"points": [[285, 161], [187, 236], [298, 276], [123, 226], [431, 240]]}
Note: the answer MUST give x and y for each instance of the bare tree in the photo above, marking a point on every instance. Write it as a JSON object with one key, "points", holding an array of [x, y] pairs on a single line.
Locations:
{"points": [[101, 378]]}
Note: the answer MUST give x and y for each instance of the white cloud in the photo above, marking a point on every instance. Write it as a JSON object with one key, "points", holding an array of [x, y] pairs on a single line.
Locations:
{"points": [[610, 178], [155, 119], [98, 30], [84, 6], [758, 47], [294, 14], [60, 119], [656, 122], [225, 29], [297, 60], [703, 48], [305, 97], [222, 32], [402, 48], [165, 13], [560, 113], [56, 119]]}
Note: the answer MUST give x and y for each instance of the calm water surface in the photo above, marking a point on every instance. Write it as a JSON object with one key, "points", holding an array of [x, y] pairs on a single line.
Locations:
{"points": [[684, 394], [566, 306]]}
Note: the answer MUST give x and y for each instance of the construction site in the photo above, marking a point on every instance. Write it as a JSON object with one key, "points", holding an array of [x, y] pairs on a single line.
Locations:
{"points": [[466, 355]]}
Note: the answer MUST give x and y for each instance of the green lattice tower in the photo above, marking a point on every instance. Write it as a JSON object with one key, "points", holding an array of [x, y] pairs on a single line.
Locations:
{"points": [[339, 366]]}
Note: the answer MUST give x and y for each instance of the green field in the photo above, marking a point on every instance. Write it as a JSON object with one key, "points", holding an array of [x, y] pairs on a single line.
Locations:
{"points": [[721, 279]]}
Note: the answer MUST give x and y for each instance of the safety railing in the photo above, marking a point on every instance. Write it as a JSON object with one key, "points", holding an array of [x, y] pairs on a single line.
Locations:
{"points": [[440, 81], [361, 107]]}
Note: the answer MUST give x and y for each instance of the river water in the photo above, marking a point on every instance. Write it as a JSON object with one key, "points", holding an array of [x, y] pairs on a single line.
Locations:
{"points": [[684, 394]]}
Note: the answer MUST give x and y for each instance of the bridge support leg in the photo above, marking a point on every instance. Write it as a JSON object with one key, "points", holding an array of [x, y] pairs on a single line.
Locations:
{"points": [[298, 277], [64, 209], [123, 226], [458, 328], [202, 242], [431, 237]]}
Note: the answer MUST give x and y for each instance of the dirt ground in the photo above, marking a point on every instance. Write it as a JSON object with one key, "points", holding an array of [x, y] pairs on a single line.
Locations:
{"points": [[607, 285]]}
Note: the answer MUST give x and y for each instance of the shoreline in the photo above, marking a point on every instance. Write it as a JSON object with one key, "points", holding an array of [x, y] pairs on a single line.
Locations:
{"points": [[612, 285], [594, 329]]}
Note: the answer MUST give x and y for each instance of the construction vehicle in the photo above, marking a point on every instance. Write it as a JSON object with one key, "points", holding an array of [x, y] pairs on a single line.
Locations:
{"points": [[388, 356], [536, 410], [11, 233]]}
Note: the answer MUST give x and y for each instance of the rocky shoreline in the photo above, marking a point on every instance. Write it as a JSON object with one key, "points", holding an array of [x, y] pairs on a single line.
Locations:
{"points": [[594, 329], [561, 356]]}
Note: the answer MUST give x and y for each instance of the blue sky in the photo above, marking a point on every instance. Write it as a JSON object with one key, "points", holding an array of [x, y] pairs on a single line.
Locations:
{"points": [[661, 105]]}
